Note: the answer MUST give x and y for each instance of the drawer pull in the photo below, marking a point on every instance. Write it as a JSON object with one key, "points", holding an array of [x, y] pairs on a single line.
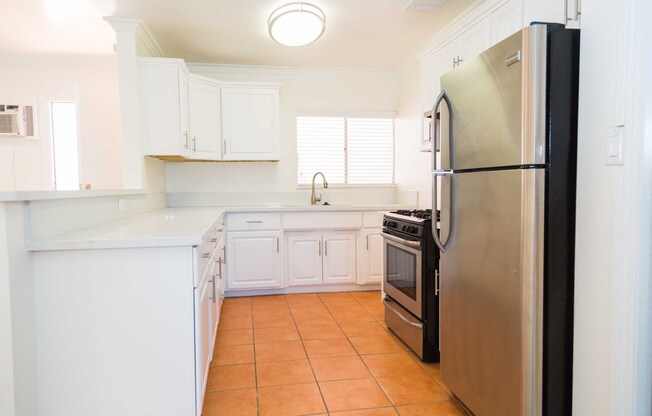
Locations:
{"points": [[213, 240], [254, 222], [205, 255]]}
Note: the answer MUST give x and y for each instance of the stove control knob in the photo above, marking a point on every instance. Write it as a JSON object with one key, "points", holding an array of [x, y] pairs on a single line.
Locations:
{"points": [[404, 227]]}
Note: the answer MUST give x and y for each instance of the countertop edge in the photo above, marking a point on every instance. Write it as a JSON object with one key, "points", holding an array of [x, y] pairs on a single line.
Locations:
{"points": [[60, 243]]}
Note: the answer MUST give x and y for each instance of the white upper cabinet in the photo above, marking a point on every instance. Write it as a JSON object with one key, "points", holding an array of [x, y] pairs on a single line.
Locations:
{"points": [[164, 107], [566, 12], [474, 40], [191, 117], [205, 133], [250, 123], [506, 20]]}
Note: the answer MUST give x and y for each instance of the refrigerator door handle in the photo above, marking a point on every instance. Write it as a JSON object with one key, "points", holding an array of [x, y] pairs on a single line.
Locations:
{"points": [[435, 142], [443, 246]]}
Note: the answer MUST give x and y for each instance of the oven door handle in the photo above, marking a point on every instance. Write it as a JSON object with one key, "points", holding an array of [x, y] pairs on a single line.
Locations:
{"points": [[408, 243], [400, 315]]}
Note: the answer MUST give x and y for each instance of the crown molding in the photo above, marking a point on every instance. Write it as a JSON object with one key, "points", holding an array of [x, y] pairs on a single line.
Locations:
{"points": [[140, 30], [449, 32], [207, 68]]}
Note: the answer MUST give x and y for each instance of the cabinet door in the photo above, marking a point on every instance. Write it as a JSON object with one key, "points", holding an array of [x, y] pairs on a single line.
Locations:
{"points": [[339, 257], [253, 259], [304, 258], [370, 256], [203, 337], [250, 123], [506, 20], [204, 120], [475, 40], [436, 65], [164, 104]]}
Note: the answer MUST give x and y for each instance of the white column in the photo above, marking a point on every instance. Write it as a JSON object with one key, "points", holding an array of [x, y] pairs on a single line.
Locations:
{"points": [[133, 39]]}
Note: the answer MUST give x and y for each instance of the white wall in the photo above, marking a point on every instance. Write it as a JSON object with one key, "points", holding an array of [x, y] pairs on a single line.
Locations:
{"points": [[612, 283], [412, 166], [302, 90], [25, 164]]}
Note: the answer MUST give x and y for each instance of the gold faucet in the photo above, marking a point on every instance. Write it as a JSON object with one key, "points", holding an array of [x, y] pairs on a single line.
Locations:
{"points": [[313, 198]]}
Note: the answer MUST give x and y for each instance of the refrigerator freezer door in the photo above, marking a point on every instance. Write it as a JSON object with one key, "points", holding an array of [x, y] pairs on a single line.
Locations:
{"points": [[498, 100], [491, 291]]}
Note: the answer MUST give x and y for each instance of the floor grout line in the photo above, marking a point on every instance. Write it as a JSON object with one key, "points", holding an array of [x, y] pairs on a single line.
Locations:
{"points": [[339, 325]]}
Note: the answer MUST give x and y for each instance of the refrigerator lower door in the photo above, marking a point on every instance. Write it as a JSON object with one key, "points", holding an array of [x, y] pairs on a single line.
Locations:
{"points": [[491, 290]]}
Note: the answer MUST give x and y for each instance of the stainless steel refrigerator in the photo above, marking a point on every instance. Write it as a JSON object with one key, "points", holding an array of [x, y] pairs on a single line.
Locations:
{"points": [[504, 161]]}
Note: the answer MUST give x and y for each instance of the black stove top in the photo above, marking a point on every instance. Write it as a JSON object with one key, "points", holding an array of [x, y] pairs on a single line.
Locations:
{"points": [[426, 214], [414, 222]]}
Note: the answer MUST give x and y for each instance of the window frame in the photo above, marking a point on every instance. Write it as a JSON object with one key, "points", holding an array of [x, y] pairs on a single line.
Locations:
{"points": [[347, 115]]}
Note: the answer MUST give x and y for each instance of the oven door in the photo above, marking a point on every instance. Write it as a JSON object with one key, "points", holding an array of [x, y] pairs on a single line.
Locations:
{"points": [[402, 274]]}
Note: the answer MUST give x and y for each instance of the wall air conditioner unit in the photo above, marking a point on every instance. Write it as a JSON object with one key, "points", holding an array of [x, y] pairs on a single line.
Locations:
{"points": [[16, 120]]}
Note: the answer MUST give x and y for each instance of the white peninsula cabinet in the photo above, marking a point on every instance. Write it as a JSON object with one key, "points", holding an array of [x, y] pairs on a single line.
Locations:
{"points": [[250, 122], [126, 327]]}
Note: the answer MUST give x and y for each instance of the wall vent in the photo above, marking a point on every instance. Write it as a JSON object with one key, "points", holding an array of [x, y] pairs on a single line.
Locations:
{"points": [[423, 5]]}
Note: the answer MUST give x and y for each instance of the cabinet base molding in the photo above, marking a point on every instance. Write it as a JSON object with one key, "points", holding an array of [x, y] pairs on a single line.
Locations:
{"points": [[303, 289]]}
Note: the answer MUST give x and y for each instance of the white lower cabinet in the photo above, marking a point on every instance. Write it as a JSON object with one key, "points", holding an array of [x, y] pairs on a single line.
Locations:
{"points": [[204, 332], [304, 258], [315, 258], [370, 256], [339, 257], [253, 260]]}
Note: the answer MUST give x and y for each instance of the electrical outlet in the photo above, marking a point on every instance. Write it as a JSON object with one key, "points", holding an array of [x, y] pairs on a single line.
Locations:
{"points": [[122, 205]]}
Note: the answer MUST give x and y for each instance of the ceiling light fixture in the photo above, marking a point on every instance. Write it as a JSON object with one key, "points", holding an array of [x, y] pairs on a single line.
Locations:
{"points": [[296, 24]]}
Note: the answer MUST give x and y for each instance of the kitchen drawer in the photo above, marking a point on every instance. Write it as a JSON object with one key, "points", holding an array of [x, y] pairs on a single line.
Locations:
{"points": [[253, 221], [372, 219], [322, 220]]}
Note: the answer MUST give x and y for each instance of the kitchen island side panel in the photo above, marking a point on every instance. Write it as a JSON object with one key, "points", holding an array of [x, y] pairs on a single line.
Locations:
{"points": [[115, 332]]}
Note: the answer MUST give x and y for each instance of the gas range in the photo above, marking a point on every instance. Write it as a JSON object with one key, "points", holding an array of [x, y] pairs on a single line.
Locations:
{"points": [[410, 280], [413, 222]]}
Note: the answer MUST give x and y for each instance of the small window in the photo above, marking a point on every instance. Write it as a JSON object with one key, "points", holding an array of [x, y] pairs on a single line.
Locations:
{"points": [[348, 150], [65, 153]]}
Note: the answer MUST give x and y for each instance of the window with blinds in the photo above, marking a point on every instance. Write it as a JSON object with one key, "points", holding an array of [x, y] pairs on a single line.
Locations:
{"points": [[348, 150]]}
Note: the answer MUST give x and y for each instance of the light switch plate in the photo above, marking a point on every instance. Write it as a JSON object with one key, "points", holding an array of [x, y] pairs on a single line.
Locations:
{"points": [[614, 145]]}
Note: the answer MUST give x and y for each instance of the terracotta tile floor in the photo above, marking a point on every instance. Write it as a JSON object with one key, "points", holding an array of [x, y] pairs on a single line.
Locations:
{"points": [[317, 354]]}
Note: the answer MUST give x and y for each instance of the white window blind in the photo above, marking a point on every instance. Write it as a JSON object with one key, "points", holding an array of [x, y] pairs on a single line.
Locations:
{"points": [[348, 150]]}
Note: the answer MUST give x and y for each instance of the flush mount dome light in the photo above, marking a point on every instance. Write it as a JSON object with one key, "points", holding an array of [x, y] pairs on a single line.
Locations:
{"points": [[296, 24]]}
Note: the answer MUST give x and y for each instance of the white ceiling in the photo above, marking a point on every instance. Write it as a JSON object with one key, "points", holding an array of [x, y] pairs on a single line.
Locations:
{"points": [[359, 33]]}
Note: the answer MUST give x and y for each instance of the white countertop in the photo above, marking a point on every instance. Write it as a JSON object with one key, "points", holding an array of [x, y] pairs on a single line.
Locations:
{"points": [[169, 227]]}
